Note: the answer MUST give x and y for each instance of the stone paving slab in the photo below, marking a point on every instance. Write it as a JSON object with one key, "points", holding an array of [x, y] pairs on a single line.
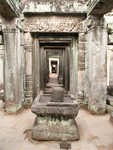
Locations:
{"points": [[96, 132]]}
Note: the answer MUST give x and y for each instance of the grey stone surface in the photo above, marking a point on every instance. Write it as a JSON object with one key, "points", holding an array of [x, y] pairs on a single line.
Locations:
{"points": [[52, 128], [13, 70], [104, 7], [111, 117], [109, 100], [110, 48], [55, 117], [40, 107], [109, 109], [97, 44], [57, 94], [54, 23], [110, 38], [54, 6]]}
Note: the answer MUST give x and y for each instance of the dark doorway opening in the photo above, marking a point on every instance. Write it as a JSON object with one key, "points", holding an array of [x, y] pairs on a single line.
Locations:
{"points": [[54, 66]]}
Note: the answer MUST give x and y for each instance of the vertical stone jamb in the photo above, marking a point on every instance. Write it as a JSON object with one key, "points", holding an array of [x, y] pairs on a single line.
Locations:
{"points": [[110, 66], [36, 67], [28, 69], [109, 48], [1, 67], [81, 64], [74, 68], [97, 55]]}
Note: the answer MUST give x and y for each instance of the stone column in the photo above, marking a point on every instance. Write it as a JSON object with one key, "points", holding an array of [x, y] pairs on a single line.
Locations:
{"points": [[74, 68], [1, 67], [28, 69], [81, 64], [110, 63], [97, 53], [12, 70], [60, 78], [109, 55]]}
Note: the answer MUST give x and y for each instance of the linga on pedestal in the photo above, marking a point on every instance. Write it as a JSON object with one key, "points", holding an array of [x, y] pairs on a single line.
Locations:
{"points": [[55, 117]]}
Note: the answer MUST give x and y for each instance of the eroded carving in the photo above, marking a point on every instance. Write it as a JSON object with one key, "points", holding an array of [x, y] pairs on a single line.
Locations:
{"points": [[53, 24], [54, 6], [93, 21]]}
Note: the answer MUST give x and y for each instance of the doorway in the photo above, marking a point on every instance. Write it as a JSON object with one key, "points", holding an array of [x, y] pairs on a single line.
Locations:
{"points": [[55, 59]]}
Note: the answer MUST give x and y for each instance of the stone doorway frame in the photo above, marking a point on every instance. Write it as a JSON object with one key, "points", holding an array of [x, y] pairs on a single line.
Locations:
{"points": [[72, 51]]}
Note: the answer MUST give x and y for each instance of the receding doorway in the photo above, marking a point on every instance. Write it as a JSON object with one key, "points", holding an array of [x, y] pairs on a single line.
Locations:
{"points": [[54, 68], [55, 63]]}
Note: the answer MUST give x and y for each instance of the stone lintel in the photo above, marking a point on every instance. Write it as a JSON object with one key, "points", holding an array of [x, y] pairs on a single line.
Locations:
{"points": [[49, 23]]}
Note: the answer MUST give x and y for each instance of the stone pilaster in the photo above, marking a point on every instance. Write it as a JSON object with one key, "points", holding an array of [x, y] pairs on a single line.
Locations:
{"points": [[60, 78], [97, 73], [81, 64], [28, 69], [12, 70], [110, 65], [109, 48], [1, 67]]}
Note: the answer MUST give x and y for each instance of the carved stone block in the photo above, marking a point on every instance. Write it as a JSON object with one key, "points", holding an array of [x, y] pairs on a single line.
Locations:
{"points": [[53, 23]]}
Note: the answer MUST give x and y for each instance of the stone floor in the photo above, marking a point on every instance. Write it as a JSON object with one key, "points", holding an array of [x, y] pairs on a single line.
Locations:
{"points": [[96, 132]]}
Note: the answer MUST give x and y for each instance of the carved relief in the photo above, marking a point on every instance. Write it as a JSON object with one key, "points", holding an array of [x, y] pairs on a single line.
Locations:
{"points": [[54, 6], [81, 53], [93, 21], [53, 24], [1, 51]]}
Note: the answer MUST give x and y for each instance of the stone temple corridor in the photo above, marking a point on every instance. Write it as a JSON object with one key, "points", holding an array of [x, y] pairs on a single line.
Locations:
{"points": [[56, 74]]}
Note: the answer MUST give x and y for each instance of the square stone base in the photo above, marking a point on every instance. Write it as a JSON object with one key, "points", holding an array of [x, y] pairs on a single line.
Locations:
{"points": [[51, 128]]}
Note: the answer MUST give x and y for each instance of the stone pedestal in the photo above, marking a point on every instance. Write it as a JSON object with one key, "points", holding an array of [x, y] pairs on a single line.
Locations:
{"points": [[55, 120], [97, 54], [55, 128]]}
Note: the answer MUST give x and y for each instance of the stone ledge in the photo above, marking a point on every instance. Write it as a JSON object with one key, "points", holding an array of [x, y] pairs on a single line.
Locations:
{"points": [[69, 108]]}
